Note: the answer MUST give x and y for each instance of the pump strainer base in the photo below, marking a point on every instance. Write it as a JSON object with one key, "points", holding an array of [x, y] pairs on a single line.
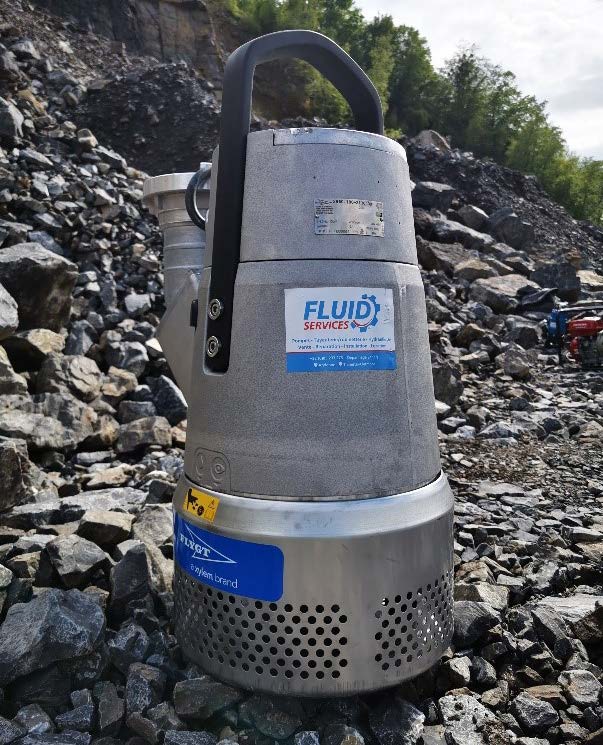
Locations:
{"points": [[367, 593]]}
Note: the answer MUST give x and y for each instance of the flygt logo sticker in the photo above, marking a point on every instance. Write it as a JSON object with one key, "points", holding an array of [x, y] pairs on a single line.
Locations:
{"points": [[202, 551], [341, 315]]}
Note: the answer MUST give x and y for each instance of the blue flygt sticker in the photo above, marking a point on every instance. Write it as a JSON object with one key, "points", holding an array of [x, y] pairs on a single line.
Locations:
{"points": [[339, 329], [254, 570]]}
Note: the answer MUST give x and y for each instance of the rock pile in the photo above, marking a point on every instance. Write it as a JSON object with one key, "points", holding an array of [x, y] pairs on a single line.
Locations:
{"points": [[92, 429]]}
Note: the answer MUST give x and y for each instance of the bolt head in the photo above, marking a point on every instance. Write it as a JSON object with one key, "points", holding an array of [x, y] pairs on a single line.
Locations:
{"points": [[213, 346], [215, 308]]}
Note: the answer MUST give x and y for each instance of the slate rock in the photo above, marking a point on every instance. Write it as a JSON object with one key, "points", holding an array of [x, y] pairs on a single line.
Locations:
{"points": [[471, 621], [581, 687], [27, 350], [105, 527], [533, 714], [501, 293], [55, 625], [341, 734], [506, 226], [153, 430], [168, 399], [273, 717], [430, 195], [199, 698], [110, 708], [10, 381], [11, 121], [398, 723], [41, 283], [144, 688], [9, 314], [187, 737], [473, 217], [130, 582], [75, 559], [561, 275], [79, 375], [9, 731]]}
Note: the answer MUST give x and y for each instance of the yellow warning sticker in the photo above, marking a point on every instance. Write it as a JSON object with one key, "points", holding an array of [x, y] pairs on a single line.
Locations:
{"points": [[201, 504]]}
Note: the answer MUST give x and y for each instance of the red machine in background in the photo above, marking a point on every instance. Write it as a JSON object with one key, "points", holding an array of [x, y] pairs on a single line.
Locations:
{"points": [[585, 336]]}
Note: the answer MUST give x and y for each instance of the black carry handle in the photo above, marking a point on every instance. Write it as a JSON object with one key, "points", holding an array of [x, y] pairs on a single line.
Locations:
{"points": [[190, 196], [341, 70]]}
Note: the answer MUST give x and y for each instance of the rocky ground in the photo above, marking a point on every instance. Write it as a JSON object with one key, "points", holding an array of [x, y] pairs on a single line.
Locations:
{"points": [[92, 430]]}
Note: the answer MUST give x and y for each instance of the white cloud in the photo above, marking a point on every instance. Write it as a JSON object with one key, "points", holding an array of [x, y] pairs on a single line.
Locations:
{"points": [[555, 49]]}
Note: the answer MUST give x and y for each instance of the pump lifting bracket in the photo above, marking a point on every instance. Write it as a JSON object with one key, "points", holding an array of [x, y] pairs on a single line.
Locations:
{"points": [[341, 70]]}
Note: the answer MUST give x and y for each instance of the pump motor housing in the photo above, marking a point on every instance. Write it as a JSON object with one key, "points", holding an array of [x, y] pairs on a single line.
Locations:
{"points": [[313, 524]]}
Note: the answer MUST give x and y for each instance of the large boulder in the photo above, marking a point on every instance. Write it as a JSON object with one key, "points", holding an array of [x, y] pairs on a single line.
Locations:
{"points": [[443, 258], [431, 138], [506, 226], [430, 195], [74, 373], [54, 626], [501, 293], [561, 275], [41, 282]]}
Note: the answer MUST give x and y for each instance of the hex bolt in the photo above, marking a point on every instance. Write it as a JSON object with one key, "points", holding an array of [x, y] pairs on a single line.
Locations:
{"points": [[213, 346], [215, 308]]}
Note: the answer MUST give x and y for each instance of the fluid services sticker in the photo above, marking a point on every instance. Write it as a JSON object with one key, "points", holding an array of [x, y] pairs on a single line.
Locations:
{"points": [[339, 329], [254, 570]]}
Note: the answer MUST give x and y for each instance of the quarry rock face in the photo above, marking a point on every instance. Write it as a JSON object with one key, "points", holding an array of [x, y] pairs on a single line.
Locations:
{"points": [[92, 425]]}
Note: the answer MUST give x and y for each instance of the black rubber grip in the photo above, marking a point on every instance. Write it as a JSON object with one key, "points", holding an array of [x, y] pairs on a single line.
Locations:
{"points": [[341, 70]]}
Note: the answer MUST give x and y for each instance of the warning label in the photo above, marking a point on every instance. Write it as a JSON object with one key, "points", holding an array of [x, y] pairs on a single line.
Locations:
{"points": [[200, 504]]}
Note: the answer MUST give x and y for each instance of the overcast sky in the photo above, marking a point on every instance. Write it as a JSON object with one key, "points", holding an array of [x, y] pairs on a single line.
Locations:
{"points": [[554, 47]]}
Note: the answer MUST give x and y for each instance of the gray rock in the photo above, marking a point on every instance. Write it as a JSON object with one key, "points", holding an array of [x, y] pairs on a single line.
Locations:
{"points": [[137, 305], [9, 314], [458, 671], [429, 195], [274, 717], [79, 375], [27, 350], [447, 383], [130, 644], [168, 400], [533, 714], [398, 723], [127, 355], [581, 687], [431, 138], [80, 719], [18, 475], [55, 625], [129, 411], [306, 737], [10, 381], [41, 283], [199, 698], [464, 718], [559, 274], [11, 121], [341, 734], [155, 430], [444, 258], [471, 621], [473, 217], [9, 731], [144, 688], [105, 527], [507, 227], [184, 737], [130, 582], [501, 293], [75, 559], [34, 720], [154, 524], [110, 708]]}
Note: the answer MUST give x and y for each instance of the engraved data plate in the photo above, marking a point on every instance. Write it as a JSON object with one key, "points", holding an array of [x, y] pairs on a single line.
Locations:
{"points": [[348, 217]]}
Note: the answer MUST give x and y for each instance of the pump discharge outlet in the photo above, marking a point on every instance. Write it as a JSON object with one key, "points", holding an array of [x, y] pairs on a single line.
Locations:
{"points": [[313, 524]]}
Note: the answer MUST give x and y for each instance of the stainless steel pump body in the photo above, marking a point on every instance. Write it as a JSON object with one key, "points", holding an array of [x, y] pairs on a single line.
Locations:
{"points": [[313, 525]]}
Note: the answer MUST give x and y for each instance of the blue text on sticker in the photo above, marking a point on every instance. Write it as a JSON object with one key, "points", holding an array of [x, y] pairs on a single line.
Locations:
{"points": [[254, 570]]}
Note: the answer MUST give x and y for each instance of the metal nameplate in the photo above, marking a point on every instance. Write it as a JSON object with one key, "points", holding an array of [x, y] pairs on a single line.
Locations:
{"points": [[348, 217]]}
